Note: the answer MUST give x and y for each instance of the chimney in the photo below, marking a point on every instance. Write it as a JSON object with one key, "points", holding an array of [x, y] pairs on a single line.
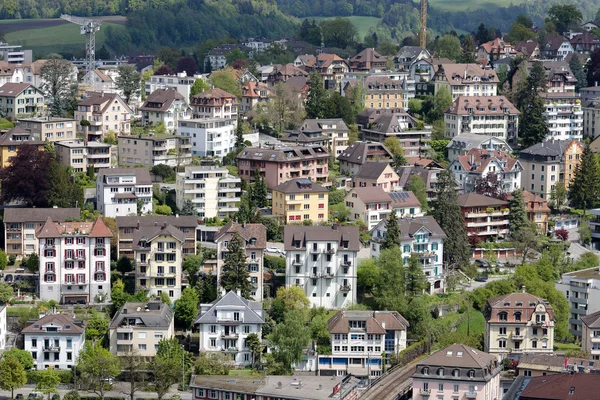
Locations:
{"points": [[155, 223], [164, 225], [334, 227], [137, 226], [523, 289], [239, 293]]}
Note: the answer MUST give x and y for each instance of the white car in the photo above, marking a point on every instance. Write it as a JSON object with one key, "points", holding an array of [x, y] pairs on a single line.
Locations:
{"points": [[273, 250]]}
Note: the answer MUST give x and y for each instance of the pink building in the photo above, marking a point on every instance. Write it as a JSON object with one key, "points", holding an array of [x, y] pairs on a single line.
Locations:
{"points": [[280, 164], [457, 372]]}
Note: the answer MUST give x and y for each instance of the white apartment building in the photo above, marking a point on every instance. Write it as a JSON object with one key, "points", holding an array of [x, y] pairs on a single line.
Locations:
{"points": [[461, 145], [15, 54], [119, 189], [214, 137], [421, 237], [55, 341], [154, 149], [225, 324], [582, 290], [594, 223], [322, 260], [466, 80], [212, 190], [214, 103], [565, 120], [51, 129], [180, 82], [80, 154], [165, 106], [75, 262]]}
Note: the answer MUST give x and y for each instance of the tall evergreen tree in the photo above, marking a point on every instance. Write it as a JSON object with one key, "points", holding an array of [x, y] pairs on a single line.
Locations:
{"points": [[392, 234], [447, 213], [234, 275], [518, 214], [259, 191], [416, 282], [239, 133], [316, 97], [584, 191], [468, 50], [533, 127], [578, 72], [63, 191]]}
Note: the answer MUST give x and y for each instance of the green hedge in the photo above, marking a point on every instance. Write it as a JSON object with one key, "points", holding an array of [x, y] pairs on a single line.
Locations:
{"points": [[66, 376]]}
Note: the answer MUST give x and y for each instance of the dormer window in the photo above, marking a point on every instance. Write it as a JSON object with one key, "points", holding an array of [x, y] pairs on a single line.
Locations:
{"points": [[440, 371], [517, 316], [456, 373], [425, 371], [502, 316], [471, 374]]}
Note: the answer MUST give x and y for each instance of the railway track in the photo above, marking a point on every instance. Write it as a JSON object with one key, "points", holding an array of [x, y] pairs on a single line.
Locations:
{"points": [[391, 385]]}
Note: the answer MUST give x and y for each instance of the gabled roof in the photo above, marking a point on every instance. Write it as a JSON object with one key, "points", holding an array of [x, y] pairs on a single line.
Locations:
{"points": [[252, 89], [361, 152], [153, 314], [177, 221], [334, 233], [479, 200], [14, 89], [324, 60], [373, 194], [149, 233], [247, 232], [561, 387], [52, 229], [320, 123], [409, 52], [519, 301], [377, 322], [554, 148], [142, 175], [533, 202], [468, 141], [68, 325], [368, 55], [410, 226], [371, 170], [489, 105], [18, 135], [214, 93], [526, 47], [460, 356], [48, 230], [477, 160], [40, 214], [161, 100], [103, 77], [554, 42], [302, 185], [461, 74], [253, 311], [592, 320]]}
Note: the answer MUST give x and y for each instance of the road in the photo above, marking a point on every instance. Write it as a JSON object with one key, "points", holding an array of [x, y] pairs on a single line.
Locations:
{"points": [[119, 389], [389, 386]]}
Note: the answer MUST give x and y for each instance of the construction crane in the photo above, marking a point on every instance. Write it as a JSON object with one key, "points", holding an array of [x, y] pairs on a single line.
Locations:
{"points": [[423, 25], [87, 27]]}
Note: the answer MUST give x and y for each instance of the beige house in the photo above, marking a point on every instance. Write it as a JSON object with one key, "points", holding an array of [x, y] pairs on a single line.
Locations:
{"points": [[21, 100], [334, 128], [466, 80], [254, 94], [166, 106], [80, 155], [51, 129], [139, 327], [103, 112], [214, 103], [590, 338], [376, 174], [373, 205], [154, 149]]}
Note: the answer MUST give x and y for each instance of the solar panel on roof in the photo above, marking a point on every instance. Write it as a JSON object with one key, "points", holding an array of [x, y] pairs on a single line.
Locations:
{"points": [[399, 195], [304, 181]]}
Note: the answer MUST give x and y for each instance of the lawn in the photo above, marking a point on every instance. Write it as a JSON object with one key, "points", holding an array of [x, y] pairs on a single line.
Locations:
{"points": [[362, 24], [477, 323], [566, 346], [462, 5]]}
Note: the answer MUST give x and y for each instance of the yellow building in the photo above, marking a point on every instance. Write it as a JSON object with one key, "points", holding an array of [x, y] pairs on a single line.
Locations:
{"points": [[300, 200], [10, 141]]}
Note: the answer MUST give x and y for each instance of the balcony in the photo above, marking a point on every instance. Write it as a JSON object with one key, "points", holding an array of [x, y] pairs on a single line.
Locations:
{"points": [[594, 339], [345, 263], [313, 275], [471, 395], [100, 245], [425, 392], [331, 251], [52, 349], [297, 263], [514, 336], [328, 275], [423, 254], [315, 251], [345, 288], [125, 329], [230, 349], [516, 351]]}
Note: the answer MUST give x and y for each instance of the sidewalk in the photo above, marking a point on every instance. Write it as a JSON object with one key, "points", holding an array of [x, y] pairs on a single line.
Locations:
{"points": [[119, 389]]}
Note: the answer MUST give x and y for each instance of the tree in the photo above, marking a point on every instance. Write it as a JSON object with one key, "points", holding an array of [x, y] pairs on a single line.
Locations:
{"points": [[3, 259], [226, 79], [468, 50], [392, 234], [292, 299], [520, 30], [255, 345], [33, 263], [235, 55], [490, 185], [192, 264], [234, 275], [524, 240], [186, 308], [124, 265], [284, 110], [25, 178], [97, 365], [564, 16], [518, 213], [352, 134], [338, 32], [260, 191], [128, 81], [417, 186], [199, 86], [47, 381], [22, 356], [187, 65], [338, 106], [213, 363], [289, 338], [63, 192], [164, 70], [163, 210], [97, 327], [6, 293], [165, 374], [367, 275], [533, 127], [12, 375], [416, 282], [389, 292], [593, 68], [578, 72], [448, 46], [357, 95], [58, 84], [584, 191], [118, 295], [316, 96], [135, 367], [72, 395], [558, 196]]}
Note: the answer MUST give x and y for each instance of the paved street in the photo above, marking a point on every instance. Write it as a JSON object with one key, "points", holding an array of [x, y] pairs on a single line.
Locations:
{"points": [[119, 389]]}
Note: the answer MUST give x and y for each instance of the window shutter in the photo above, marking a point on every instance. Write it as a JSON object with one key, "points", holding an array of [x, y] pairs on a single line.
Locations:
{"points": [[84, 250], [65, 253]]}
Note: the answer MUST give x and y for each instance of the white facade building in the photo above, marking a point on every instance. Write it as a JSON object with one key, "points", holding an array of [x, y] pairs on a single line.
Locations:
{"points": [[565, 120], [581, 288], [119, 189], [213, 137], [180, 82]]}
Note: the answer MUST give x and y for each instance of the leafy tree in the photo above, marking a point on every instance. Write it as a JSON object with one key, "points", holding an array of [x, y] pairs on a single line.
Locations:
{"points": [[585, 233], [255, 345], [533, 127], [212, 364], [33, 263], [290, 338], [316, 96], [48, 380], [234, 274], [392, 235], [12, 375], [416, 282], [584, 191], [192, 264], [235, 55], [284, 110], [58, 84], [417, 186], [128, 81], [118, 295], [186, 308], [135, 366], [187, 65], [367, 275], [199, 86], [389, 294], [97, 327], [25, 178], [163, 210], [166, 172], [518, 213], [357, 95], [72, 395], [338, 32], [564, 16], [164, 70], [490, 185], [96, 365], [3, 259], [578, 72], [165, 374], [187, 208], [448, 46], [22, 356], [226, 79], [352, 134], [593, 68], [124, 265], [521, 30], [6, 293], [338, 106], [63, 191]]}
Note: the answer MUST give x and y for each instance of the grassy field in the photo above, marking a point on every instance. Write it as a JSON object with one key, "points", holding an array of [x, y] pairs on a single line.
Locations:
{"points": [[362, 24], [566, 346], [477, 323], [462, 5]]}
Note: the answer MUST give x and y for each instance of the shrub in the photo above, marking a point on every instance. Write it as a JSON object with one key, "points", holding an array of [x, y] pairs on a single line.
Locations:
{"points": [[72, 395], [64, 375], [12, 259]]}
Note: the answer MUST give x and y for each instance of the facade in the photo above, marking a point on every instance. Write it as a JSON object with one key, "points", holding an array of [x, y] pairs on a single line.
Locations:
{"points": [[358, 340], [377, 174], [581, 290], [55, 341], [495, 49], [15, 54], [22, 224], [105, 112], [254, 94], [280, 164], [466, 80], [333, 128], [214, 103], [80, 155], [11, 140], [557, 48], [139, 327], [368, 60], [594, 223], [537, 208], [217, 57], [591, 118], [565, 119], [590, 334], [359, 153], [300, 200], [74, 262], [518, 323], [210, 137], [478, 163], [540, 364], [492, 116], [462, 144], [19, 100], [118, 191], [254, 237], [322, 261], [166, 106], [3, 328], [180, 82], [226, 323], [212, 190], [383, 92], [485, 217], [548, 164], [154, 149], [429, 174], [458, 371], [331, 67], [52, 129], [99, 80]]}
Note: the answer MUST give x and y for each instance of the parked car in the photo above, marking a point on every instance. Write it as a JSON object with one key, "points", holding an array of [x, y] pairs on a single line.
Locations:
{"points": [[273, 250], [481, 279], [8, 278], [36, 396], [19, 396], [483, 263]]}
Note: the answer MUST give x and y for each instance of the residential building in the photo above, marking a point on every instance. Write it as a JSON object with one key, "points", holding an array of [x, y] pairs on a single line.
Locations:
{"points": [[51, 129], [590, 26], [564, 118], [383, 92], [485, 217], [458, 371], [540, 364], [358, 340], [495, 50], [154, 149], [11, 140], [99, 80], [478, 164], [518, 323], [74, 262], [372, 204], [588, 94], [118, 191], [304, 138], [165, 106], [280, 164], [254, 94], [557, 386], [180, 82], [590, 334], [581, 290], [466, 80], [333, 128], [549, 163], [492, 116], [368, 60], [557, 48], [408, 55], [55, 341], [462, 144], [217, 57], [211, 189], [105, 112], [322, 260], [376, 174], [300, 200], [139, 327], [594, 223], [130, 226], [422, 237], [331, 67], [428, 174], [22, 224], [3, 327], [18, 100], [80, 154], [529, 49], [537, 208], [591, 118], [225, 324], [254, 238], [358, 153], [214, 103], [559, 77], [15, 54], [283, 73], [210, 137]]}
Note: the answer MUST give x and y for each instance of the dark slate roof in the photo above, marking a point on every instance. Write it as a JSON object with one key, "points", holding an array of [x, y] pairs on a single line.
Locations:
{"points": [[371, 170], [152, 314], [147, 233], [410, 226], [459, 356], [592, 320], [177, 221], [161, 99], [479, 200], [247, 232], [40, 214], [358, 152], [253, 311], [142, 174], [283, 154], [547, 148], [320, 233], [302, 137], [301, 185], [409, 52]]}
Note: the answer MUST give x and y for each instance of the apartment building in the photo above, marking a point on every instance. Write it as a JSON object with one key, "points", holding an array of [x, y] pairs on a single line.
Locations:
{"points": [[15, 54], [458, 372], [485, 217], [254, 94], [421, 237], [429, 174], [22, 224], [383, 92], [359, 153], [518, 323], [549, 163], [462, 144], [100, 80], [590, 334], [139, 327], [594, 223], [581, 288], [334, 128], [19, 100], [118, 191], [254, 238], [492, 116], [130, 226], [564, 118], [154, 149], [280, 164], [103, 112], [210, 137], [300, 200], [212, 190], [358, 340], [179, 82], [165, 106], [214, 103], [368, 60], [74, 262], [466, 80], [331, 67], [226, 323], [479, 163], [80, 154], [10, 142], [591, 118], [557, 47], [322, 260], [537, 208], [55, 341], [304, 138], [51, 129], [376, 174]]}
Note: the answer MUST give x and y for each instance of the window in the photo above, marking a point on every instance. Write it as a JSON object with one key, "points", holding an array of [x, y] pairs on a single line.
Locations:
{"points": [[471, 374], [502, 330], [158, 335], [440, 387], [213, 329], [213, 342], [246, 328], [455, 389], [142, 335], [502, 316], [34, 343], [142, 346], [69, 356]]}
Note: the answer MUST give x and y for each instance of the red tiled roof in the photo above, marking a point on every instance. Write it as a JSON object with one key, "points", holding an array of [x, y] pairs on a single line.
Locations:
{"points": [[477, 160]]}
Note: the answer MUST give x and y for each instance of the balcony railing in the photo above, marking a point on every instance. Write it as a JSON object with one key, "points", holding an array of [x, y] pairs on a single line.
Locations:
{"points": [[471, 395], [52, 349], [345, 288], [514, 336], [346, 263], [425, 392], [297, 262], [230, 335]]}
